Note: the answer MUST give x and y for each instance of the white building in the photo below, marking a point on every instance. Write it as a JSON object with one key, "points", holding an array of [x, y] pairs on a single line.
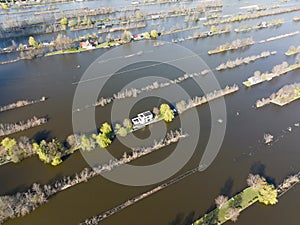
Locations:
{"points": [[142, 118]]}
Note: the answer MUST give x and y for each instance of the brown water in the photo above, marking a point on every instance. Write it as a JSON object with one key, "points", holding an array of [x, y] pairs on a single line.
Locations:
{"points": [[242, 150]]}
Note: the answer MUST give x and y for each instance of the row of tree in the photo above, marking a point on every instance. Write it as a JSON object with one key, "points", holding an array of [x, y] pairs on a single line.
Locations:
{"points": [[9, 128], [239, 43], [20, 103], [23, 203], [239, 61], [266, 194], [241, 17]]}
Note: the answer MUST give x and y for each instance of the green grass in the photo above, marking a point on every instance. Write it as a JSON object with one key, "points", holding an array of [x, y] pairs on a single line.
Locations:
{"points": [[247, 83], [249, 197]]}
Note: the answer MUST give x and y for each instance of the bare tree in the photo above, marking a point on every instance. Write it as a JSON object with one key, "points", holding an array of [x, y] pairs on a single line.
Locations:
{"points": [[221, 200], [233, 214]]}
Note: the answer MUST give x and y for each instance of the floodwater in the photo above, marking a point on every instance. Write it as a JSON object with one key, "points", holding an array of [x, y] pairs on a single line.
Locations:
{"points": [[242, 150]]}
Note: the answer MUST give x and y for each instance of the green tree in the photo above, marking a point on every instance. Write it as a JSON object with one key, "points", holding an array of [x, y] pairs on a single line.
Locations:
{"points": [[72, 23], [268, 194], [106, 128], [147, 35], [236, 201], [166, 112], [102, 140], [211, 218], [32, 41], [57, 160], [86, 144], [154, 34], [213, 29], [117, 127], [4, 5], [64, 23], [122, 132], [127, 123], [8, 144]]}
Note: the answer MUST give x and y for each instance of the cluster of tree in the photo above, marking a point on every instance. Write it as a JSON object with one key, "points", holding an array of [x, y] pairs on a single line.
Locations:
{"points": [[293, 50], [267, 194], [165, 112], [219, 29], [288, 183], [260, 25], [183, 105], [239, 43], [9, 128], [239, 61], [283, 96], [20, 204], [125, 129], [241, 17], [134, 92], [103, 139], [20, 103]]}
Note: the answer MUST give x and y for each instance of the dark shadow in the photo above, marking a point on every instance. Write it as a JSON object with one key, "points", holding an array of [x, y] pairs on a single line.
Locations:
{"points": [[227, 188], [181, 220], [178, 219], [42, 135], [260, 169], [189, 219]]}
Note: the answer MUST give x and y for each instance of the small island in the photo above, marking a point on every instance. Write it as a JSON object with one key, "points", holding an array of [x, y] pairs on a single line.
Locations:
{"points": [[277, 71], [283, 96], [236, 44], [292, 50], [261, 25]]}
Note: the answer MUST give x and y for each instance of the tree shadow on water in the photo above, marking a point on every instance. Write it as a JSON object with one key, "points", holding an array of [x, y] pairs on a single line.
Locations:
{"points": [[180, 219], [42, 135], [227, 188], [260, 169]]}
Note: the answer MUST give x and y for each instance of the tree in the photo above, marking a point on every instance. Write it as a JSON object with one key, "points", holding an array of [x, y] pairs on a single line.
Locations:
{"points": [[8, 144], [147, 35], [213, 29], [21, 47], [236, 201], [117, 127], [166, 112], [32, 42], [181, 106], [211, 218], [255, 181], [102, 140], [127, 123], [72, 23], [78, 20], [233, 214], [86, 144], [64, 23], [4, 5], [155, 111], [106, 128], [63, 42], [109, 37], [268, 194], [126, 36], [154, 34], [221, 200], [57, 160], [122, 132]]}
